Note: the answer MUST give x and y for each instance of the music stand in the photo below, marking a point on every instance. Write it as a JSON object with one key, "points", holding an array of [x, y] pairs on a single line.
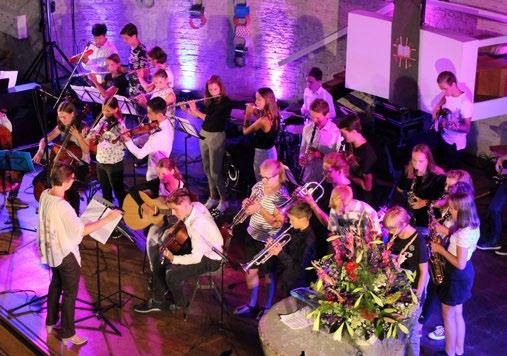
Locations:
{"points": [[88, 94], [18, 161], [123, 232], [101, 235], [184, 125], [127, 106]]}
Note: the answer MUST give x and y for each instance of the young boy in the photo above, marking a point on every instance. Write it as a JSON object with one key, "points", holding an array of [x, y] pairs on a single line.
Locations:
{"points": [[315, 90], [297, 255], [361, 158], [138, 60]]}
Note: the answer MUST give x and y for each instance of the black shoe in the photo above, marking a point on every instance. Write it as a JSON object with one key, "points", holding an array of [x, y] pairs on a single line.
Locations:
{"points": [[488, 247], [502, 251], [261, 313], [149, 306]]}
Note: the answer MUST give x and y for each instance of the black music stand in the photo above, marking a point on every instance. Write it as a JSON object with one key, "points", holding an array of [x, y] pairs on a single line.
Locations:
{"points": [[122, 232], [17, 161], [183, 125], [127, 106], [99, 310], [88, 94]]}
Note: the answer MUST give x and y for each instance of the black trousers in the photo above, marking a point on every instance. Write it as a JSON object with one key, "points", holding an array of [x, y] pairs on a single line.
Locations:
{"points": [[110, 177], [173, 277], [64, 283]]}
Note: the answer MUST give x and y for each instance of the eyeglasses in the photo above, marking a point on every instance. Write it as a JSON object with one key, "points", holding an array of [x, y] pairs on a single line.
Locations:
{"points": [[268, 178]]}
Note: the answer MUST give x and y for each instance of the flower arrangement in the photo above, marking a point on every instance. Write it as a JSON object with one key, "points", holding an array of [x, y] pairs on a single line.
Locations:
{"points": [[361, 289]]}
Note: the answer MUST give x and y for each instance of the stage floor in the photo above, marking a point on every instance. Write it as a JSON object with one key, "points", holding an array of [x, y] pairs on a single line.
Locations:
{"points": [[22, 278]]}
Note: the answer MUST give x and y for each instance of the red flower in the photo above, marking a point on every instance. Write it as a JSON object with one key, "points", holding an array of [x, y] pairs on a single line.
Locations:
{"points": [[351, 268]]}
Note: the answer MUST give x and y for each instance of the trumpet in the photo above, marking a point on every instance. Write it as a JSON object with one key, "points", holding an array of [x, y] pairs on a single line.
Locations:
{"points": [[241, 216], [282, 239], [299, 193]]}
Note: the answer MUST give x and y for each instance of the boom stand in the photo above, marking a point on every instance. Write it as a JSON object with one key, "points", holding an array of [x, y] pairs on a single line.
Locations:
{"points": [[184, 125], [18, 162]]}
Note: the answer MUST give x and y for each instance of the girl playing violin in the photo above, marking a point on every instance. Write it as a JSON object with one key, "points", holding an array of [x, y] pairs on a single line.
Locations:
{"points": [[161, 90], [69, 123], [110, 155], [265, 128]]}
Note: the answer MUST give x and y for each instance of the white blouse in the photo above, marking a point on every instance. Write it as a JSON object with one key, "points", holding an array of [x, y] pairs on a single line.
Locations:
{"points": [[467, 238]]}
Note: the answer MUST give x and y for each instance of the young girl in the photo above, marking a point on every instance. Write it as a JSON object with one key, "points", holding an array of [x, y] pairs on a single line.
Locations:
{"points": [[265, 222], [110, 155], [215, 114], [413, 255], [423, 182], [161, 90], [157, 60], [265, 128], [115, 79], [459, 272], [67, 120]]}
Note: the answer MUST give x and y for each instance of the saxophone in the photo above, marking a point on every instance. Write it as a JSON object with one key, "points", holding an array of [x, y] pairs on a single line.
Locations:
{"points": [[411, 198], [436, 261]]}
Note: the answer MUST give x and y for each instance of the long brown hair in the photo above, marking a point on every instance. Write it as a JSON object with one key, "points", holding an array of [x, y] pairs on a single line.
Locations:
{"points": [[432, 166], [169, 164], [68, 107], [270, 110], [214, 79], [462, 199]]}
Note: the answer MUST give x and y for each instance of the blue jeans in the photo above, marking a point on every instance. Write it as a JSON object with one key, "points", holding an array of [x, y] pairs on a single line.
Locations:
{"points": [[495, 213]]}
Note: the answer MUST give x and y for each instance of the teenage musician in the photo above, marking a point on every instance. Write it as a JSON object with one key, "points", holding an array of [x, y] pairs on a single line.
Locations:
{"points": [[206, 241], [361, 157], [68, 121], [456, 126], [265, 222], [138, 59], [59, 235], [101, 48], [157, 60], [161, 90], [168, 181], [423, 182], [413, 255], [319, 137], [160, 143], [110, 155], [459, 272], [314, 90], [265, 128], [115, 81], [215, 113]]}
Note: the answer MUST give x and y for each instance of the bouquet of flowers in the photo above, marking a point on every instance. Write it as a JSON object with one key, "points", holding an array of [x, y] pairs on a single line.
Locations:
{"points": [[361, 289]]}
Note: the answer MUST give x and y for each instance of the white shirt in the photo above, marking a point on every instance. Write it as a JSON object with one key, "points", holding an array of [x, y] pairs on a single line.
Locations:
{"points": [[60, 230], [460, 108], [204, 235], [327, 139], [158, 146], [107, 151], [321, 93], [467, 238], [97, 60]]}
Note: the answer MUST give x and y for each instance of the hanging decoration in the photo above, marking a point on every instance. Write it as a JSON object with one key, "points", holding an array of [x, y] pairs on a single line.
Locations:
{"points": [[197, 18], [241, 20]]}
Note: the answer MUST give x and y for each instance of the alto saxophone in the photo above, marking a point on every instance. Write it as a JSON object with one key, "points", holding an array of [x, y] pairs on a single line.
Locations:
{"points": [[411, 198], [436, 261]]}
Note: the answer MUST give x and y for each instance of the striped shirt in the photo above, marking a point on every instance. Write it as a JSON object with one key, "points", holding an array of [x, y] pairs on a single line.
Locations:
{"points": [[258, 228], [356, 210]]}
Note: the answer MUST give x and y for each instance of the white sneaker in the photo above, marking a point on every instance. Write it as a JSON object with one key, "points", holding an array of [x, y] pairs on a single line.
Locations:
{"points": [[211, 203], [76, 340], [223, 206], [438, 333]]}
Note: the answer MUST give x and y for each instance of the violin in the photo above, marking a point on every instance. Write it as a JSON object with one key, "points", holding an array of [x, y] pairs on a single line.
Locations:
{"points": [[150, 128]]}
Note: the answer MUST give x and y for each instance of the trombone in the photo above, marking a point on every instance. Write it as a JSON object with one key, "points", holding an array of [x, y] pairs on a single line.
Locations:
{"points": [[282, 239]]}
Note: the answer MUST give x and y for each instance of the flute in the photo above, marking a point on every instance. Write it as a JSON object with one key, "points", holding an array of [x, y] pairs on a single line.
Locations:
{"points": [[194, 100]]}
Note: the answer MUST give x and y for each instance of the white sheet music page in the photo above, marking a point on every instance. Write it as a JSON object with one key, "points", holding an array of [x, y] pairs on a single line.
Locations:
{"points": [[298, 319], [93, 211]]}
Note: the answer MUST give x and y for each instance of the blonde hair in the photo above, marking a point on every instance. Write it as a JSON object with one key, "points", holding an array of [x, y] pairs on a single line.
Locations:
{"points": [[275, 167], [461, 176], [341, 191], [396, 217]]}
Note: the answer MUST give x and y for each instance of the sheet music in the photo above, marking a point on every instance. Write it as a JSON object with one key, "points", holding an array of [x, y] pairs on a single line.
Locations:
{"points": [[12, 75], [298, 319], [88, 94], [93, 211], [126, 106], [187, 127]]}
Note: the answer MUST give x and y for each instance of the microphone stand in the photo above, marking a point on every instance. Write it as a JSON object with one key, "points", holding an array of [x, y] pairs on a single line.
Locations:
{"points": [[71, 74]]}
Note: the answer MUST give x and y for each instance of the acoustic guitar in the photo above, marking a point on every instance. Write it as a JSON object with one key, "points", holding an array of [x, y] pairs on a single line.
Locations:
{"points": [[134, 216]]}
